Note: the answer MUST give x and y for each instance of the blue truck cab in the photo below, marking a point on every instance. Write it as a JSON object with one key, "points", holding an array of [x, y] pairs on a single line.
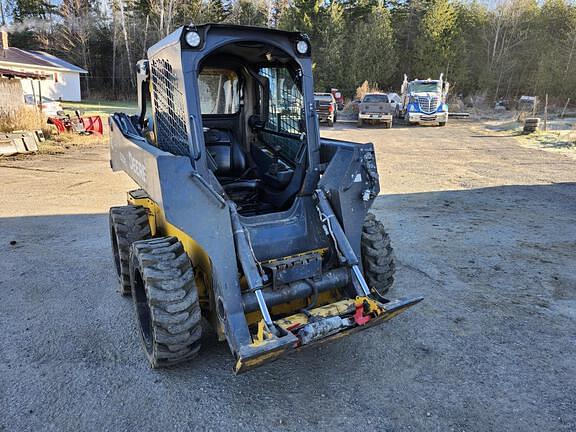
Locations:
{"points": [[424, 101]]}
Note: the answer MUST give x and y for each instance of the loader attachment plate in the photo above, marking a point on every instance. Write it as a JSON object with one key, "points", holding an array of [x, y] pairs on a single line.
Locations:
{"points": [[318, 325]]}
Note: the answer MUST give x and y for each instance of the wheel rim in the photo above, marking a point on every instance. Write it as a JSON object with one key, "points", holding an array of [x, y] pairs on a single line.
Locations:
{"points": [[142, 311]]}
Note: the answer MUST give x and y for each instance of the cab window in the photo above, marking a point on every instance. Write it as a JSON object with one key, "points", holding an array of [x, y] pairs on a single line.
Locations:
{"points": [[375, 99], [218, 90], [285, 102], [284, 126]]}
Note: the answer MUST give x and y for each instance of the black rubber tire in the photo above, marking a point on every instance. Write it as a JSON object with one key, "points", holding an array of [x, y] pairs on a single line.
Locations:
{"points": [[127, 225], [330, 123], [377, 256], [165, 301], [441, 124]]}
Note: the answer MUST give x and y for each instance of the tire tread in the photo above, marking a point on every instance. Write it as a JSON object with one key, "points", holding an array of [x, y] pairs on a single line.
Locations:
{"points": [[377, 255], [128, 224], [172, 296]]}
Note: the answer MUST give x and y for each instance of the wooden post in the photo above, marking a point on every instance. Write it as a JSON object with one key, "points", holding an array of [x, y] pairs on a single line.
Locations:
{"points": [[534, 106], [565, 106], [40, 93], [546, 113], [33, 94]]}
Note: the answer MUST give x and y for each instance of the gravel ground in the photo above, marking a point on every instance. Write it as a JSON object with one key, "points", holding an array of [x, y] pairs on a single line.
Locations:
{"points": [[482, 227]]}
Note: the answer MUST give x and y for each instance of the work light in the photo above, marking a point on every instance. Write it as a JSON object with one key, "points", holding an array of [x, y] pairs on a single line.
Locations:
{"points": [[193, 39], [302, 47]]}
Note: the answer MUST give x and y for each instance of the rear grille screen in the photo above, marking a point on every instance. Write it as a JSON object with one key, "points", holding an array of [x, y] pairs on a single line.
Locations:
{"points": [[171, 132]]}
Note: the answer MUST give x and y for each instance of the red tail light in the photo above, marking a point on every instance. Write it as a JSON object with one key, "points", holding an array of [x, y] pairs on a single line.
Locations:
{"points": [[331, 108]]}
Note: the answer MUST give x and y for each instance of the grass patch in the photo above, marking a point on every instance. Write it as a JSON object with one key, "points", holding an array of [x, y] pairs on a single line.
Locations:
{"points": [[102, 107], [511, 127], [59, 144], [557, 140], [23, 119], [26, 119], [551, 140]]}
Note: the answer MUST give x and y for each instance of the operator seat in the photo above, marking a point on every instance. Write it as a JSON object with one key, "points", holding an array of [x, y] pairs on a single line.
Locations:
{"points": [[226, 151]]}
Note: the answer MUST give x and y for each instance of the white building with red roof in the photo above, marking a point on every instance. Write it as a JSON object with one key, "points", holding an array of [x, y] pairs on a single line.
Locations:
{"points": [[60, 79]]}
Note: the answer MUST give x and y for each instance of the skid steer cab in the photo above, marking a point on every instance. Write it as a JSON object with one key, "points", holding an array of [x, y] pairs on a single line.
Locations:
{"points": [[244, 215]]}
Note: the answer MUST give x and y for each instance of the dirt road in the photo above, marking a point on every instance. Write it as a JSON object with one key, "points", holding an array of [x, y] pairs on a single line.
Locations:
{"points": [[484, 229]]}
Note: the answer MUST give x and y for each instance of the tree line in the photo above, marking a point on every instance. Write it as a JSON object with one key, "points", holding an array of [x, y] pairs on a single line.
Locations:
{"points": [[501, 50]]}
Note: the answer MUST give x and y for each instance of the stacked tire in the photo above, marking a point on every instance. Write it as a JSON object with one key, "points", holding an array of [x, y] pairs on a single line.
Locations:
{"points": [[531, 125]]}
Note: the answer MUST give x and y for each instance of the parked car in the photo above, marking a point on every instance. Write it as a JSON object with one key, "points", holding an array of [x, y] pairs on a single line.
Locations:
{"points": [[354, 104], [338, 97], [326, 108], [49, 107], [395, 100], [526, 103], [375, 108]]}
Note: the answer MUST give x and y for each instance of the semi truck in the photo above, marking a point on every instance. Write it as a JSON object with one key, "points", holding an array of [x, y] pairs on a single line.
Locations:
{"points": [[424, 101]]}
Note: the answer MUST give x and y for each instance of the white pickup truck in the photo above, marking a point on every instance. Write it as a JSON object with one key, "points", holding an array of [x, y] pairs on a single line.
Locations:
{"points": [[375, 108]]}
